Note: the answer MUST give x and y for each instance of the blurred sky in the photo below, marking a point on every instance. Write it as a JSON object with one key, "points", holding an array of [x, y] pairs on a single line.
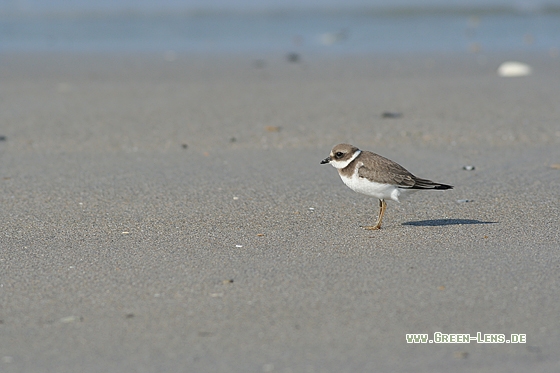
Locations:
{"points": [[222, 25], [58, 6]]}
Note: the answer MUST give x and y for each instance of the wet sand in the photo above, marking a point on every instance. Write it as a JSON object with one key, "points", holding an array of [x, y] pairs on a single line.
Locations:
{"points": [[165, 216]]}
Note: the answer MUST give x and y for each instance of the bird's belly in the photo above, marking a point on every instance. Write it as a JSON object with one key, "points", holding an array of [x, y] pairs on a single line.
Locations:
{"points": [[371, 188]]}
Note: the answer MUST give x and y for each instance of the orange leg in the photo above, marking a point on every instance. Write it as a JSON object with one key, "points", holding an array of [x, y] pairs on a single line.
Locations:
{"points": [[382, 208]]}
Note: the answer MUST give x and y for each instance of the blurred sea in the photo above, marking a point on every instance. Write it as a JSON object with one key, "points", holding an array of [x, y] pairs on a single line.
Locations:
{"points": [[316, 26]]}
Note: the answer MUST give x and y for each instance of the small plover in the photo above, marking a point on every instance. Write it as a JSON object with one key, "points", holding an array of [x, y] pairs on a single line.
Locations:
{"points": [[369, 173]]}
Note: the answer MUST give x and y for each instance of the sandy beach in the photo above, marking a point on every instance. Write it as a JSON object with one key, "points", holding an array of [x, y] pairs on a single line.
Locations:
{"points": [[171, 215]]}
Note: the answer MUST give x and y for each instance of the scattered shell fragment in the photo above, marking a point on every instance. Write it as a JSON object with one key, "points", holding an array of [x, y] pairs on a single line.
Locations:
{"points": [[468, 168], [236, 198], [461, 355], [125, 232], [556, 166], [514, 69], [464, 200], [441, 287], [225, 282], [216, 295], [238, 245], [260, 234], [272, 128], [68, 319], [330, 38]]}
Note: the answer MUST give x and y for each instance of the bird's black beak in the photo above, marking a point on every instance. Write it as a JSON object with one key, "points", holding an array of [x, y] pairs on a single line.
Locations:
{"points": [[326, 160]]}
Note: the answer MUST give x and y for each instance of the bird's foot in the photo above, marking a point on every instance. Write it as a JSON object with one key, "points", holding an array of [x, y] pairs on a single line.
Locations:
{"points": [[373, 227]]}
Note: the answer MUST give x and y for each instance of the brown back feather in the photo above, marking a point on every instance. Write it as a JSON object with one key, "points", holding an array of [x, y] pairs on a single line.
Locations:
{"points": [[385, 171]]}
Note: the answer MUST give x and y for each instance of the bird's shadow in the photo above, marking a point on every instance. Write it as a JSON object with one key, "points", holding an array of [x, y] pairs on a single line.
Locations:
{"points": [[442, 222]]}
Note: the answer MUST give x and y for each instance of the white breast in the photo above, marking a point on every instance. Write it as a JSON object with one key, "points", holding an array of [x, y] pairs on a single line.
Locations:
{"points": [[371, 188]]}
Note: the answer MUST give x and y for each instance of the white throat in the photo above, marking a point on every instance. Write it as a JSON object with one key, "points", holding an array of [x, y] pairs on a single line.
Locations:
{"points": [[343, 164]]}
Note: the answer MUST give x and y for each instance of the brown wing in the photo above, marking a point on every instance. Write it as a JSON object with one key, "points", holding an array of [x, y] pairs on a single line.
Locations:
{"points": [[385, 171]]}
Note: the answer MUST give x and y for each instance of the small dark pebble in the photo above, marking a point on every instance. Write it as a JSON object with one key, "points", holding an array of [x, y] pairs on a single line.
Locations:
{"points": [[293, 57], [233, 139], [184, 146], [391, 115], [129, 315], [2, 138]]}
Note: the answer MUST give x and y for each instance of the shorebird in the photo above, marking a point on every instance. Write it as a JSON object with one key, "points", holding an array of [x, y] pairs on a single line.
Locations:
{"points": [[371, 174]]}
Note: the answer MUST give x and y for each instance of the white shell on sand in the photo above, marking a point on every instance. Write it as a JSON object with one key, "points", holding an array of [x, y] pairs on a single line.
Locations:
{"points": [[331, 38], [513, 69]]}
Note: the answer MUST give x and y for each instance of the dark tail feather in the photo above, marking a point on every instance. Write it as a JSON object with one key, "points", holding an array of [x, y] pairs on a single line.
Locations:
{"points": [[442, 186], [429, 184]]}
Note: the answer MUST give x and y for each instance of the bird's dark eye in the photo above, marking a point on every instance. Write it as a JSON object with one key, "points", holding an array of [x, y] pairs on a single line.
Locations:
{"points": [[339, 154]]}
